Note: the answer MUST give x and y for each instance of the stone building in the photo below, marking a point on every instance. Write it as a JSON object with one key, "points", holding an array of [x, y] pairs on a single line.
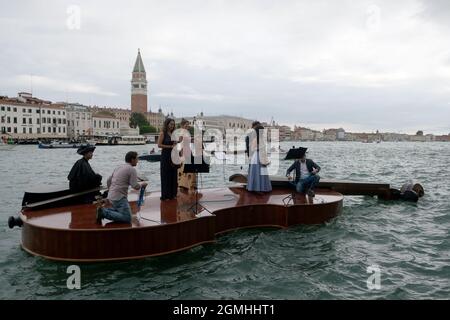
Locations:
{"points": [[79, 121], [105, 123], [27, 117]]}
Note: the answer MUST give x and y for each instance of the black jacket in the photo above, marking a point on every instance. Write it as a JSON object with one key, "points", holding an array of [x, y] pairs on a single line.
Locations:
{"points": [[82, 177], [296, 166]]}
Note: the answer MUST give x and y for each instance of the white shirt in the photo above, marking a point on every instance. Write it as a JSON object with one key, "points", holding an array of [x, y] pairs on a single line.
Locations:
{"points": [[304, 173]]}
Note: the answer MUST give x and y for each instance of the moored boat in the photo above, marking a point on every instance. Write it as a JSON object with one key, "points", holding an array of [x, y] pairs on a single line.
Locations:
{"points": [[151, 157], [132, 140], [121, 140], [61, 145]]}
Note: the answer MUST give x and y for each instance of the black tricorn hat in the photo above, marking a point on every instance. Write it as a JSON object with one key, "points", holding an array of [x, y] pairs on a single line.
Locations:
{"points": [[302, 151], [85, 149], [296, 153]]}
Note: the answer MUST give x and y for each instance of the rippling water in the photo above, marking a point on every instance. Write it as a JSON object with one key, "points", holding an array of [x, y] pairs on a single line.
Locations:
{"points": [[409, 242]]}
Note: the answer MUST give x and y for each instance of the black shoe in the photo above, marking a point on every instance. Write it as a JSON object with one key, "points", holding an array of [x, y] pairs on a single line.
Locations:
{"points": [[99, 215], [311, 193]]}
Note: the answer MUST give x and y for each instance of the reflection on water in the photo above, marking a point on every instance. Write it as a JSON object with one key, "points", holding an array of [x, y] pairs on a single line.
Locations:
{"points": [[410, 242]]}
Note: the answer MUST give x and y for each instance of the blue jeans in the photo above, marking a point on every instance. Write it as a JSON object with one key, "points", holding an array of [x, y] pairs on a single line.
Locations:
{"points": [[121, 211], [309, 183]]}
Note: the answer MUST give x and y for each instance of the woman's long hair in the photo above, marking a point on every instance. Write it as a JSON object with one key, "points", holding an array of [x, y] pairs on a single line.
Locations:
{"points": [[259, 129], [260, 144], [166, 125]]}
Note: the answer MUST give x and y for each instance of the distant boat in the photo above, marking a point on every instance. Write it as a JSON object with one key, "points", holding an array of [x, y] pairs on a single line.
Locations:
{"points": [[281, 153], [62, 145], [132, 140], [151, 157], [119, 141]]}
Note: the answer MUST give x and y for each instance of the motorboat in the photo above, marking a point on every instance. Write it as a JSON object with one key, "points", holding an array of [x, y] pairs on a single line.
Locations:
{"points": [[62, 145]]}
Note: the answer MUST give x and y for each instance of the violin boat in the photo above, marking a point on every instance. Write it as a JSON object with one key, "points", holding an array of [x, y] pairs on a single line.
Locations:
{"points": [[55, 227]]}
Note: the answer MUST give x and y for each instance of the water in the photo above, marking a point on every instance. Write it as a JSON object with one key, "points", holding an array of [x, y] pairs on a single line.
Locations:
{"points": [[409, 242]]}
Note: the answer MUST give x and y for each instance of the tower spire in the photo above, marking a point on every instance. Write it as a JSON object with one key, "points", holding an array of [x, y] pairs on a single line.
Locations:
{"points": [[139, 65], [139, 86]]}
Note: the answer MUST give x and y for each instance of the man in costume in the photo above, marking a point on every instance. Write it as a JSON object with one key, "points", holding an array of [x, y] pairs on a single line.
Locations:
{"points": [[306, 174], [82, 177]]}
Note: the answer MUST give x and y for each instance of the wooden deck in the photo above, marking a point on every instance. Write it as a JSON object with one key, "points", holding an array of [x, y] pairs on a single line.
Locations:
{"points": [[161, 227], [348, 188]]}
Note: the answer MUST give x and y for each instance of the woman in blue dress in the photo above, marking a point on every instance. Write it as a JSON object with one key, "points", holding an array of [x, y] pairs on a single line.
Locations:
{"points": [[258, 175]]}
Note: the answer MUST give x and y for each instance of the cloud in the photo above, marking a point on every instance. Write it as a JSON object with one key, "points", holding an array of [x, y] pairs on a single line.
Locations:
{"points": [[59, 85], [192, 96]]}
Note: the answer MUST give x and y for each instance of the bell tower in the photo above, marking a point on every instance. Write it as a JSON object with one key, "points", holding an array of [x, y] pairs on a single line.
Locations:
{"points": [[139, 87]]}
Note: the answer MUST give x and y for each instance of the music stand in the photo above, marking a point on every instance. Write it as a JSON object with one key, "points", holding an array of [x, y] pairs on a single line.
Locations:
{"points": [[197, 166], [293, 154]]}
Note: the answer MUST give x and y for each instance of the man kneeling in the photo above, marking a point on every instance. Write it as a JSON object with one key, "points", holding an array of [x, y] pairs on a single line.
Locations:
{"points": [[306, 174], [118, 183]]}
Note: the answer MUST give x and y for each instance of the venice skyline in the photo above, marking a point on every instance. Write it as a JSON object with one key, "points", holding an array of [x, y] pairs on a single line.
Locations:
{"points": [[365, 67]]}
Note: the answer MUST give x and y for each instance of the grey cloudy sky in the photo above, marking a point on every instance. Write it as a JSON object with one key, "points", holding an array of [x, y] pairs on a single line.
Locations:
{"points": [[362, 65]]}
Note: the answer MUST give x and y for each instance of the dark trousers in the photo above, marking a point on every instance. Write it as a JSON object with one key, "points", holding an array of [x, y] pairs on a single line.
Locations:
{"points": [[308, 183]]}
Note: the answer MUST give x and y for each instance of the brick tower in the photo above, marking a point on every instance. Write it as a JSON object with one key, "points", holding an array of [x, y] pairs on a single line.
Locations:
{"points": [[139, 87]]}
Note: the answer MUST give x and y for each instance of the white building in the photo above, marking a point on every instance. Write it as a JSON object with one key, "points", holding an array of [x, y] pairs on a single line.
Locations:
{"points": [[127, 131], [26, 117], [79, 120], [304, 134], [220, 122], [340, 134], [105, 124]]}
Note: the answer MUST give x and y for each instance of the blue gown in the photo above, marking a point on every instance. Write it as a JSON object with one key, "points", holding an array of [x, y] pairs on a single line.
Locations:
{"points": [[258, 176]]}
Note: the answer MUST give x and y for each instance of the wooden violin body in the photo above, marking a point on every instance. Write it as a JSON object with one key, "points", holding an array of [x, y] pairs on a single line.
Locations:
{"points": [[70, 233]]}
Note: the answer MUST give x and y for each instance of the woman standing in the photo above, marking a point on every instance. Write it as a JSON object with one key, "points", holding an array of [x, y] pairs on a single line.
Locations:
{"points": [[258, 175], [186, 180], [169, 185]]}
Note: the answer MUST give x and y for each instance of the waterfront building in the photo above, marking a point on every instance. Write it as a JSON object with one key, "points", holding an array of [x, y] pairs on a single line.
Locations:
{"points": [[329, 135], [285, 132], [27, 117], [156, 119], [443, 138], [421, 137], [334, 134], [318, 136], [222, 122], [349, 136], [105, 123], [340, 134], [79, 121], [123, 115], [304, 134], [394, 137]]}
